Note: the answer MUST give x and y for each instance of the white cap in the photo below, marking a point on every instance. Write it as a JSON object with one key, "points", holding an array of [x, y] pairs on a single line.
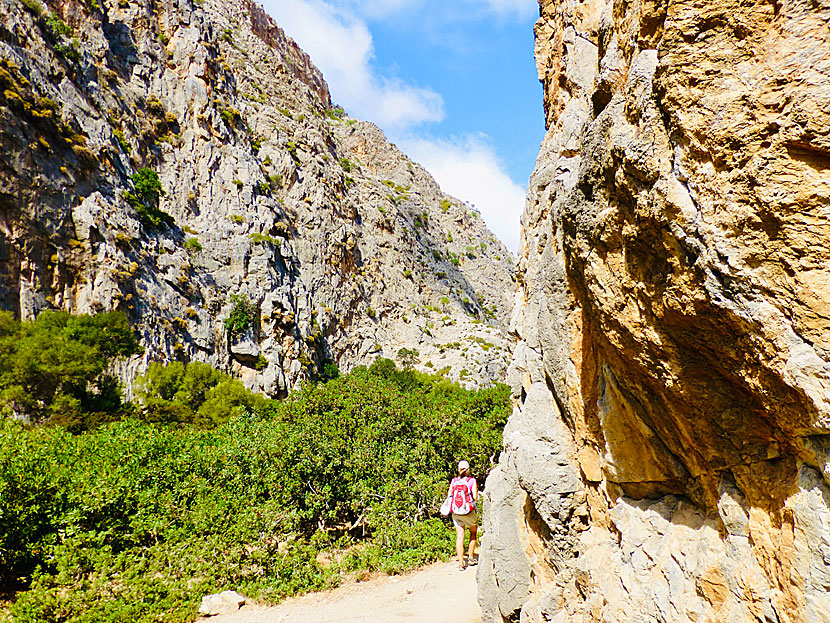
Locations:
{"points": [[463, 465]]}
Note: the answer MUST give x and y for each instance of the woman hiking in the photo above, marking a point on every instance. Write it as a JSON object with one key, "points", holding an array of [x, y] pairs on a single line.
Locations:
{"points": [[463, 493]]}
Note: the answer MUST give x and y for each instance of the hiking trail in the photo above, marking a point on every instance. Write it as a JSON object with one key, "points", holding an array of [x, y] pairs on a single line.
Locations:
{"points": [[439, 593]]}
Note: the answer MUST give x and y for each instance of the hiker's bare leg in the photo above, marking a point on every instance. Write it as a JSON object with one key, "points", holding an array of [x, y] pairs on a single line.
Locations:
{"points": [[459, 544], [473, 533]]}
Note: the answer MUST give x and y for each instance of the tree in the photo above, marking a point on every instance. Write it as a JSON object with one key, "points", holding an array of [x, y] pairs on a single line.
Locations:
{"points": [[55, 366], [408, 357], [193, 393]]}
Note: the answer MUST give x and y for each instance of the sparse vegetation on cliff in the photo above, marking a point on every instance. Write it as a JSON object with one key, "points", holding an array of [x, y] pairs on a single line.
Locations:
{"points": [[241, 315], [145, 196]]}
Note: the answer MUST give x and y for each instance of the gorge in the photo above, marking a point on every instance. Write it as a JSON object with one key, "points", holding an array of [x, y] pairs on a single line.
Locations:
{"points": [[665, 332]]}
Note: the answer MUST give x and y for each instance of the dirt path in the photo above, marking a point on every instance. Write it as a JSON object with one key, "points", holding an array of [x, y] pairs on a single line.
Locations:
{"points": [[439, 593]]}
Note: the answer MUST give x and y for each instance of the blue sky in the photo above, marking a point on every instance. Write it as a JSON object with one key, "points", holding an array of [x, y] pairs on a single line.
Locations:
{"points": [[452, 83]]}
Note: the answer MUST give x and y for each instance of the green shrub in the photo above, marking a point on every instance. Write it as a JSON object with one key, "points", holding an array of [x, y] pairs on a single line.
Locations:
{"points": [[192, 246], [408, 357], [257, 238], [33, 6], [330, 371], [135, 522], [335, 113], [122, 140], [69, 50], [193, 393], [54, 367], [231, 116], [291, 147], [241, 317], [57, 27], [145, 197]]}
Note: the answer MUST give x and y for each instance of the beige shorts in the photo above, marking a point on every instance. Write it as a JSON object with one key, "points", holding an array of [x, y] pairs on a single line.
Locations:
{"points": [[465, 521]]}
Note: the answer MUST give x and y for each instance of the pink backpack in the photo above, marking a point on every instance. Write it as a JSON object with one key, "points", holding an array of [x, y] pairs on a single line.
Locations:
{"points": [[461, 492]]}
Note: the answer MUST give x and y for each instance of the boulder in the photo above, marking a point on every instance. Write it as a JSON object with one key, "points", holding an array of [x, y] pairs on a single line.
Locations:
{"points": [[225, 602]]}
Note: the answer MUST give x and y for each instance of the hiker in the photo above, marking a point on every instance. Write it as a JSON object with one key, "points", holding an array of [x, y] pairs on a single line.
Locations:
{"points": [[463, 493]]}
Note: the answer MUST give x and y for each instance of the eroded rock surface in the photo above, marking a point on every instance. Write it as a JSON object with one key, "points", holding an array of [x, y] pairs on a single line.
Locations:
{"points": [[346, 249], [667, 456]]}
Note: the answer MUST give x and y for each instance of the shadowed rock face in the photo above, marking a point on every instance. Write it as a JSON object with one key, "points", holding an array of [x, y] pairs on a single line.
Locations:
{"points": [[345, 248], [672, 381]]}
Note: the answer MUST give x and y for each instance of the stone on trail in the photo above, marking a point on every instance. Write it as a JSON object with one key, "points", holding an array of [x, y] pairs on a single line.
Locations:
{"points": [[225, 602]]}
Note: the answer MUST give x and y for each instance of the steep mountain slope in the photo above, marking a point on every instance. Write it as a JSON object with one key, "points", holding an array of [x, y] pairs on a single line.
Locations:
{"points": [[667, 458], [324, 239]]}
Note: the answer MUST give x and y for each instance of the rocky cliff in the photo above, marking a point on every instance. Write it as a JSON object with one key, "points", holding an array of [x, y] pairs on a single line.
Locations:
{"points": [[667, 458], [181, 159]]}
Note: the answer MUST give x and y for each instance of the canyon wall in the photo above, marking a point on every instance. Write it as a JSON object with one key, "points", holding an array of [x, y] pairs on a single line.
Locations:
{"points": [[667, 458], [345, 249]]}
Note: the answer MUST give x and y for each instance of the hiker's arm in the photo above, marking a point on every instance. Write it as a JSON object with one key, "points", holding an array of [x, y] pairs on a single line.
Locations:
{"points": [[475, 489]]}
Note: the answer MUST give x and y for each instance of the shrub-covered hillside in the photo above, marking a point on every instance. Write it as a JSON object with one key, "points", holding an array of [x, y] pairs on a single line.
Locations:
{"points": [[136, 520]]}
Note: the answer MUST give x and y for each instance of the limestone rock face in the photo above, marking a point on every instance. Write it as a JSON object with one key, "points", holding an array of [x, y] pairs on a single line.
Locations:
{"points": [[667, 455], [345, 248]]}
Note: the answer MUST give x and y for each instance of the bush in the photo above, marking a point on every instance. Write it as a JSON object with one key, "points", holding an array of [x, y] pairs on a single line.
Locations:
{"points": [[408, 357], [69, 50], [193, 393], [241, 317], [135, 521], [57, 27], [257, 238], [33, 6], [231, 116], [145, 196], [54, 368], [192, 245], [335, 113]]}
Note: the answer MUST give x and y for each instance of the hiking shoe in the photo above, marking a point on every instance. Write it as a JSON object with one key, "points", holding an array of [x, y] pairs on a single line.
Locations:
{"points": [[462, 566]]}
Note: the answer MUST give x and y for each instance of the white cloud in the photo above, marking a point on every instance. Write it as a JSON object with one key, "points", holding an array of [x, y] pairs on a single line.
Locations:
{"points": [[341, 46], [469, 169]]}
